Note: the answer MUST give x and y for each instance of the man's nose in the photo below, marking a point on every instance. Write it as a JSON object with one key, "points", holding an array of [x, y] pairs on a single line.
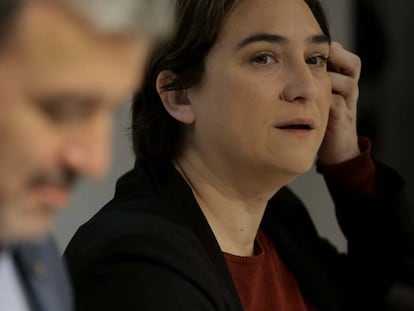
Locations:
{"points": [[89, 152]]}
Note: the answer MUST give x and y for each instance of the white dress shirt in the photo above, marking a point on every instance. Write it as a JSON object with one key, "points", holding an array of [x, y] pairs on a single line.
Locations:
{"points": [[12, 296]]}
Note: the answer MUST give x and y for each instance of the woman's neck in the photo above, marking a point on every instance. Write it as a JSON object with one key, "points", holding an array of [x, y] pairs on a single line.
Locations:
{"points": [[233, 204]]}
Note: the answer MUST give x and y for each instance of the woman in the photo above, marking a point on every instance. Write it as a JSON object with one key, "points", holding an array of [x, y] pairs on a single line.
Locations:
{"points": [[235, 105]]}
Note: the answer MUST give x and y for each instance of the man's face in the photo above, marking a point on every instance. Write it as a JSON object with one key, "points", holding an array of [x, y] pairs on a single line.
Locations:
{"points": [[60, 83]]}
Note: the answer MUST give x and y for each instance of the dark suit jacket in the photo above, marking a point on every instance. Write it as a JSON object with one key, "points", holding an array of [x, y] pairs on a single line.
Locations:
{"points": [[43, 276], [151, 248]]}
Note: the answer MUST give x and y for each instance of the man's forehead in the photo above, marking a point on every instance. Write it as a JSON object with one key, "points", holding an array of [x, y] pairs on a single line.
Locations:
{"points": [[42, 20], [47, 18], [54, 51], [43, 32]]}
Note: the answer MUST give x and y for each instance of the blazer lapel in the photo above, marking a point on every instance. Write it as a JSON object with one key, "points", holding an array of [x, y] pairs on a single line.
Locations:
{"points": [[44, 276], [173, 188]]}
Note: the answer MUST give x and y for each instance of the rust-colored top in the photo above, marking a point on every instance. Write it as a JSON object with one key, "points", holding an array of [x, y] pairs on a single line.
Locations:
{"points": [[263, 281]]}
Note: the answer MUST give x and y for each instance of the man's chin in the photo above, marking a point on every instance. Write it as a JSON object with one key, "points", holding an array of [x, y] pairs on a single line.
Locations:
{"points": [[29, 231], [25, 216]]}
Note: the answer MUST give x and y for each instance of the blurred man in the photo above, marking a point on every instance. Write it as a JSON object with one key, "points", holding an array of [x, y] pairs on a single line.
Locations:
{"points": [[65, 67]]}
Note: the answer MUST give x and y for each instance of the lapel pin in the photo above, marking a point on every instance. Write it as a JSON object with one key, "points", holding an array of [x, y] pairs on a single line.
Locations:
{"points": [[39, 269]]}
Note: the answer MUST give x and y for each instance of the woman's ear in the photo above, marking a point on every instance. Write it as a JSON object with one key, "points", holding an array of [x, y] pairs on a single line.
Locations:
{"points": [[176, 102]]}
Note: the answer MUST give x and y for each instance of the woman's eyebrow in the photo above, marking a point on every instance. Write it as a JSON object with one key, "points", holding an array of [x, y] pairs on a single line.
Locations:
{"points": [[261, 37], [319, 39], [276, 38]]}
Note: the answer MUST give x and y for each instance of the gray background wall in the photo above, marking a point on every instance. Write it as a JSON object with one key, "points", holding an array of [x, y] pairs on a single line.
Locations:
{"points": [[89, 196]]}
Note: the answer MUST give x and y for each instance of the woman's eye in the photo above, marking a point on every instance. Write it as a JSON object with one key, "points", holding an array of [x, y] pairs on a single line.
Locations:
{"points": [[317, 60], [263, 59]]}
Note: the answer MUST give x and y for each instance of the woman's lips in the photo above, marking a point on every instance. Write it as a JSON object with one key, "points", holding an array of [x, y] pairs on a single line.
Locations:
{"points": [[297, 125]]}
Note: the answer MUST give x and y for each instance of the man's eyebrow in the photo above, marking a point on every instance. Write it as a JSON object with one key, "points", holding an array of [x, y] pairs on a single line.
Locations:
{"points": [[275, 38], [68, 102], [87, 100], [68, 97]]}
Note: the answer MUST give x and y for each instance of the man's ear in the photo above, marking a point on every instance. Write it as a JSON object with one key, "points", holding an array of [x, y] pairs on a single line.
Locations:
{"points": [[176, 102]]}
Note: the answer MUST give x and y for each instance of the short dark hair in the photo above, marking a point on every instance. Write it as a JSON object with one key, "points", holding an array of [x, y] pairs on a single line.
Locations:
{"points": [[155, 134], [9, 9]]}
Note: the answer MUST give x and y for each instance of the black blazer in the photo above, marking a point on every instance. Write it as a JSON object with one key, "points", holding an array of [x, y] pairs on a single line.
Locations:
{"points": [[151, 248]]}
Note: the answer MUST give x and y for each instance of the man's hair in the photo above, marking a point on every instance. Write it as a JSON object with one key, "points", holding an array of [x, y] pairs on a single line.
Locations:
{"points": [[155, 134], [152, 17]]}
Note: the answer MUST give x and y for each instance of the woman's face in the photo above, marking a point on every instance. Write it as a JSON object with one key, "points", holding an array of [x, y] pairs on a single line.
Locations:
{"points": [[263, 102]]}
